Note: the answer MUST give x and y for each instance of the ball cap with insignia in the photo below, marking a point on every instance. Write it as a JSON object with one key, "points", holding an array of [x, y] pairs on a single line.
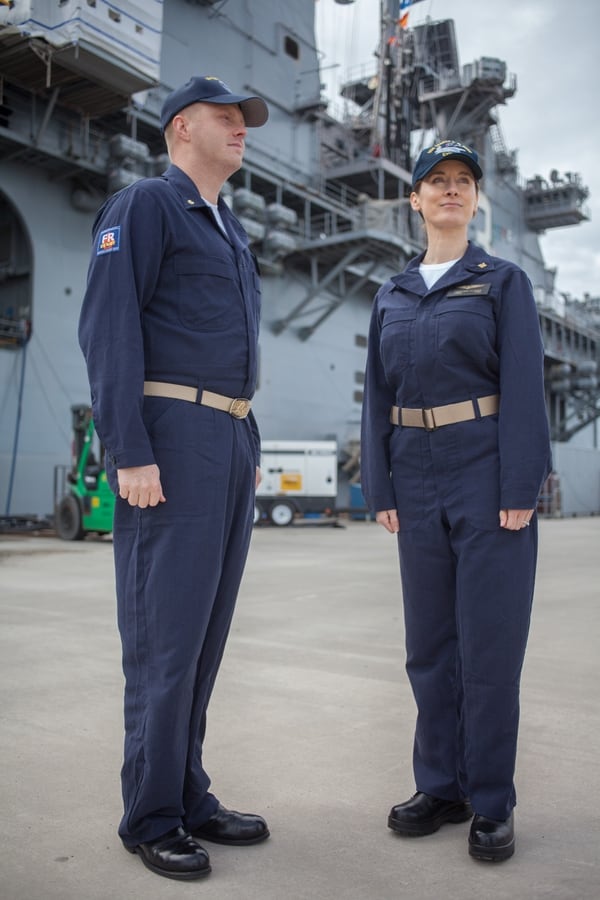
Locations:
{"points": [[210, 89], [431, 156]]}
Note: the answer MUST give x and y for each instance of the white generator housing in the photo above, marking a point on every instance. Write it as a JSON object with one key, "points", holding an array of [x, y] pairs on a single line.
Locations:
{"points": [[298, 477]]}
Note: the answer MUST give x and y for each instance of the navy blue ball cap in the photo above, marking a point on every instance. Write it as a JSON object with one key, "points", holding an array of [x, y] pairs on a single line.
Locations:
{"points": [[431, 156], [210, 89]]}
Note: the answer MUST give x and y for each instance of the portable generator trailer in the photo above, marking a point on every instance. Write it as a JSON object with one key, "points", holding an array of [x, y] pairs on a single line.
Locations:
{"points": [[299, 479]]}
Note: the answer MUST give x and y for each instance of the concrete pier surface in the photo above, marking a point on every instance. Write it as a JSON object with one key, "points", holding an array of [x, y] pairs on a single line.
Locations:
{"points": [[311, 725]]}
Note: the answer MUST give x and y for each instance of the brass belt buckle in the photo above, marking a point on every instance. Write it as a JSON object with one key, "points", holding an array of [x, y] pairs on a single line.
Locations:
{"points": [[428, 419], [240, 407]]}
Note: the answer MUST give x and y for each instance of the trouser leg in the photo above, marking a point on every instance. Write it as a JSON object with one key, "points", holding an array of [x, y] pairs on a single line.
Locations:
{"points": [[175, 606], [199, 805], [428, 585], [495, 581], [467, 601]]}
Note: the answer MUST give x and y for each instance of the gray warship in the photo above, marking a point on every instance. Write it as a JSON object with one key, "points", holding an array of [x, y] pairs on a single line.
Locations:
{"points": [[323, 198]]}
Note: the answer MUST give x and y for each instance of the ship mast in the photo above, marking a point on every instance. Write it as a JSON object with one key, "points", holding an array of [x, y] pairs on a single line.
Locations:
{"points": [[392, 114]]}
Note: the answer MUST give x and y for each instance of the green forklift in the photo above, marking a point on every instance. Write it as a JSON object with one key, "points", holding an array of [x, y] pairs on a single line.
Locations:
{"points": [[83, 501]]}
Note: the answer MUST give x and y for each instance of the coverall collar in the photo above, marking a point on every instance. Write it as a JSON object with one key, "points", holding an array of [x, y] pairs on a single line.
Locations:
{"points": [[475, 261], [191, 199], [189, 194]]}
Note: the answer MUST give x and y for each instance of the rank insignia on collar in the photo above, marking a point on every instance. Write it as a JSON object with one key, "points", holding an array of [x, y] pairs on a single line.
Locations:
{"points": [[482, 265]]}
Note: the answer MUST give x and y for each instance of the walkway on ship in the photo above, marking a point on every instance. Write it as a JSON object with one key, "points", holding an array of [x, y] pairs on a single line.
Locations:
{"points": [[311, 724]]}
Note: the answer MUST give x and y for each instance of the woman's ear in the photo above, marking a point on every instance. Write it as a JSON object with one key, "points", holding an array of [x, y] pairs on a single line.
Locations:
{"points": [[414, 201]]}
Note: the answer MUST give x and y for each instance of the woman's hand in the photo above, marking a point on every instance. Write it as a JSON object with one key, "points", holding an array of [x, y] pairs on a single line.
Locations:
{"points": [[389, 519], [515, 519]]}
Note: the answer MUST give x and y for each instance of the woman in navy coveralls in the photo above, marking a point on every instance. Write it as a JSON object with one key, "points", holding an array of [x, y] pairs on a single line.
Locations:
{"points": [[169, 329], [455, 448]]}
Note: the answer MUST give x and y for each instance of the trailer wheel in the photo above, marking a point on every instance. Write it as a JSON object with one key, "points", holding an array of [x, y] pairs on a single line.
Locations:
{"points": [[281, 513], [258, 513], [68, 519]]}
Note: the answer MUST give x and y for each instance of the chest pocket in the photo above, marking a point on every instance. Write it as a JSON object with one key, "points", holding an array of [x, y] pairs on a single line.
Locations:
{"points": [[207, 294], [398, 338], [465, 327]]}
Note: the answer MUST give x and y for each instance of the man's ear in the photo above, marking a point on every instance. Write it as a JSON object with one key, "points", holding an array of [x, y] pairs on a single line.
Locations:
{"points": [[179, 126]]}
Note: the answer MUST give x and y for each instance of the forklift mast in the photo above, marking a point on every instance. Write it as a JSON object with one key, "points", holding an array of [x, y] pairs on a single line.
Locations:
{"points": [[81, 418], [83, 500]]}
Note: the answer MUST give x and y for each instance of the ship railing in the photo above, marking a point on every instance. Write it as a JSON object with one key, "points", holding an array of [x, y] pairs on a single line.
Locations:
{"points": [[378, 217], [326, 224], [74, 143], [339, 192]]}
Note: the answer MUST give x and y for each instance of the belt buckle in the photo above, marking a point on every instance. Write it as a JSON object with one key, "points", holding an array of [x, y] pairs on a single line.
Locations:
{"points": [[240, 407], [428, 419]]}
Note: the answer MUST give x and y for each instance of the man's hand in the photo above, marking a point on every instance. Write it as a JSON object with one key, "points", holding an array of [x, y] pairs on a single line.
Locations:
{"points": [[389, 519], [140, 486], [258, 477]]}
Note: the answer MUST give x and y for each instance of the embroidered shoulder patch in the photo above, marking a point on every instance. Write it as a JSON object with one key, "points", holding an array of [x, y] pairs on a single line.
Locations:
{"points": [[108, 240], [470, 290]]}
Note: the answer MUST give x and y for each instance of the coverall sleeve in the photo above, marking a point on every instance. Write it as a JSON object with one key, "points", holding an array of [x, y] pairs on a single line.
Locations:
{"points": [[121, 283], [524, 440], [376, 429]]}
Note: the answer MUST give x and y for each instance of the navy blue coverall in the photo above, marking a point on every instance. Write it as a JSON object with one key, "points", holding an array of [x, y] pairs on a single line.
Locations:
{"points": [[171, 299], [467, 583]]}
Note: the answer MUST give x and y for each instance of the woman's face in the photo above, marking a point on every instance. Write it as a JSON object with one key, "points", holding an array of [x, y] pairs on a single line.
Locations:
{"points": [[447, 196]]}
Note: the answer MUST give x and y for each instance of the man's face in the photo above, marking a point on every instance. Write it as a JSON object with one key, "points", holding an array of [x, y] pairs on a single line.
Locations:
{"points": [[217, 134]]}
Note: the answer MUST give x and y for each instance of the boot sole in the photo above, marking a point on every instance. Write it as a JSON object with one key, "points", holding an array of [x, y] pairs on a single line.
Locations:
{"points": [[421, 829], [492, 854], [167, 873]]}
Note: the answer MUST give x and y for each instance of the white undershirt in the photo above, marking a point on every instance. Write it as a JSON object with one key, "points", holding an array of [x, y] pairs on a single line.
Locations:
{"points": [[432, 272], [215, 210]]}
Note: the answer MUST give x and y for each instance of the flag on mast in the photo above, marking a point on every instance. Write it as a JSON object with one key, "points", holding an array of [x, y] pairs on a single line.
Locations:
{"points": [[404, 11]]}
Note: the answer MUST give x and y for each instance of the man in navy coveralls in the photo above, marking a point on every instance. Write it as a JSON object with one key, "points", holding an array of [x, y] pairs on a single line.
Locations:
{"points": [[169, 330]]}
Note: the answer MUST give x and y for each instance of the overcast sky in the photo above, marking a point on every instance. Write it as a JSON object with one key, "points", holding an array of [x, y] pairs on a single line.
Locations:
{"points": [[553, 48]]}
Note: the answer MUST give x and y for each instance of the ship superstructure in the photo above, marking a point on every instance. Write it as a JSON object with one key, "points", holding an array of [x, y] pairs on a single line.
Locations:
{"points": [[323, 198]]}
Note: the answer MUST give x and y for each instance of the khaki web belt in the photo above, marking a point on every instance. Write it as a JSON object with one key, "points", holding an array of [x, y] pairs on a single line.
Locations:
{"points": [[436, 416], [238, 407]]}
